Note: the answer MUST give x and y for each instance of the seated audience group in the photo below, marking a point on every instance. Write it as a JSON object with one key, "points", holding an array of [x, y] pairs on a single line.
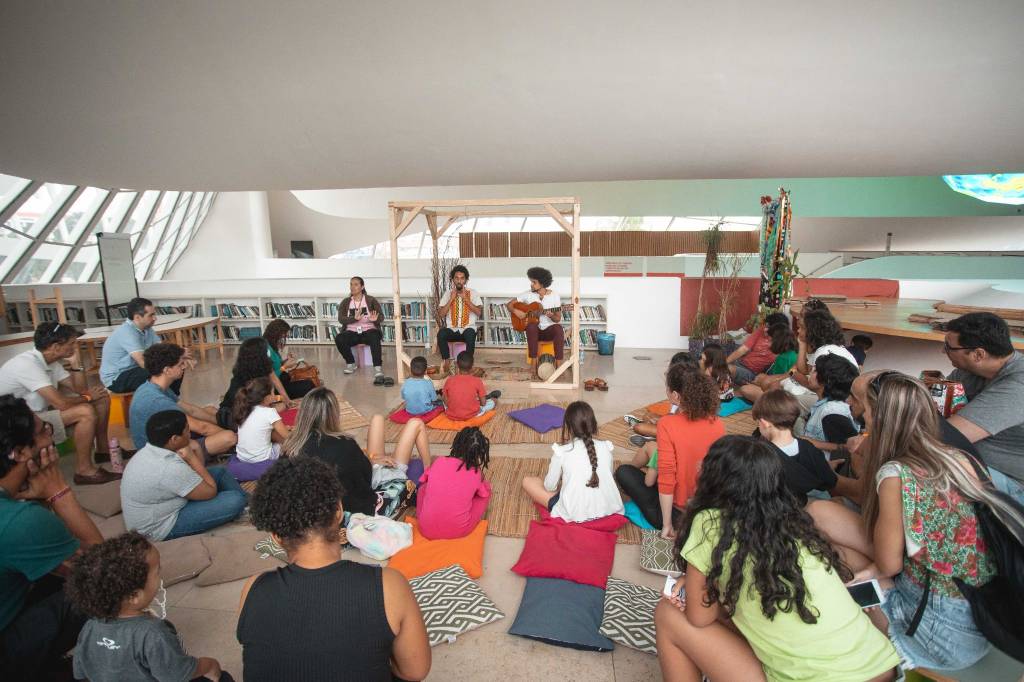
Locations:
{"points": [[847, 477]]}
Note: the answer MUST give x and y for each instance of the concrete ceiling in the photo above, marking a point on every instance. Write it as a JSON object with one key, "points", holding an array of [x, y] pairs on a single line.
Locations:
{"points": [[260, 94]]}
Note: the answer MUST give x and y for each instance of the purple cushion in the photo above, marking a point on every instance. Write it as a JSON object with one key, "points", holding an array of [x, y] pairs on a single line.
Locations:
{"points": [[541, 418], [415, 471]]}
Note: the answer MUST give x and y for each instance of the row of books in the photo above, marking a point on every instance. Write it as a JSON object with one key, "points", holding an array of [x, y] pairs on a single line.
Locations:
{"points": [[240, 333], [416, 310], [411, 333], [233, 311], [290, 310], [195, 310], [588, 313], [507, 336], [74, 315], [303, 332], [329, 310], [117, 313]]}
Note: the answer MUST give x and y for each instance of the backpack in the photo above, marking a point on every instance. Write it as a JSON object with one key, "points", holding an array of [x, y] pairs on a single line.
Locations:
{"points": [[998, 605]]}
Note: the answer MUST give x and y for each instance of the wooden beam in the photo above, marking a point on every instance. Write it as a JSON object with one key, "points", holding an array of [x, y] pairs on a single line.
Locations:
{"points": [[396, 294], [407, 220], [499, 212], [483, 202], [565, 224], [448, 223], [432, 225]]}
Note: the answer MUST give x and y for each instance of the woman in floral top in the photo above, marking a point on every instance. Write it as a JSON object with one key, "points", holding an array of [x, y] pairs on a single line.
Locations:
{"points": [[921, 528]]}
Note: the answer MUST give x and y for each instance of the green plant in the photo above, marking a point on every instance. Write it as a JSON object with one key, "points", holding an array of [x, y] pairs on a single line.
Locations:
{"points": [[704, 325], [712, 240], [731, 267]]}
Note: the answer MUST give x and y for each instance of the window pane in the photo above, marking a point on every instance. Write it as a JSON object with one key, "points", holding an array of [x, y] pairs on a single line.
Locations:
{"points": [[69, 228], [10, 187], [162, 246], [43, 264], [31, 217], [155, 230], [141, 213], [88, 256]]}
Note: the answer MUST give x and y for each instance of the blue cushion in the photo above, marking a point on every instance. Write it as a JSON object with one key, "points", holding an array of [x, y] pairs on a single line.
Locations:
{"points": [[734, 406], [634, 514], [541, 418], [562, 613]]}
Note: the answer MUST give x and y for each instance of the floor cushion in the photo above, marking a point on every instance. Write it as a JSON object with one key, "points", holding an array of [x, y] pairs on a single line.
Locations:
{"points": [[734, 406], [102, 500], [610, 523], [636, 516], [659, 409], [403, 417], [429, 555], [289, 416], [111, 527], [629, 615], [415, 470], [562, 613], [568, 551], [451, 604], [541, 418], [443, 423], [230, 558], [657, 555], [182, 559]]}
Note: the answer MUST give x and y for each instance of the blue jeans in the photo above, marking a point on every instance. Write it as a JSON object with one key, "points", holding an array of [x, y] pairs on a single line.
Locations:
{"points": [[1008, 485], [743, 374], [199, 516], [946, 639]]}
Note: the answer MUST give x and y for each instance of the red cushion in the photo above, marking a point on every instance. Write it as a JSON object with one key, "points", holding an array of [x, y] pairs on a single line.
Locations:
{"points": [[403, 417], [610, 523], [288, 417], [569, 551]]}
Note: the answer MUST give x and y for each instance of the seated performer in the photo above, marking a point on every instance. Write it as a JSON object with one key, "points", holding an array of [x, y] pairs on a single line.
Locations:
{"points": [[541, 325], [460, 308]]}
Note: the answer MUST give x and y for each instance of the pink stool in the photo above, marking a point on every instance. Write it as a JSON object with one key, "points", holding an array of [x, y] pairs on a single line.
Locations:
{"points": [[363, 356], [454, 348]]}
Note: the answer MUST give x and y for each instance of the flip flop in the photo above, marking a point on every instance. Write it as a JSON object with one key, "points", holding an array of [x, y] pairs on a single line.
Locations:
{"points": [[388, 381], [379, 380]]}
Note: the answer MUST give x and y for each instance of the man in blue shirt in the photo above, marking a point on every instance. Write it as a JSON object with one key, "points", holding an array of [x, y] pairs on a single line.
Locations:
{"points": [[165, 365], [37, 624], [122, 369]]}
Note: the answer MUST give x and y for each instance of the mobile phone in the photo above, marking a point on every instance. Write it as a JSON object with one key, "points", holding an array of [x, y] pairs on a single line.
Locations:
{"points": [[867, 593], [670, 585]]}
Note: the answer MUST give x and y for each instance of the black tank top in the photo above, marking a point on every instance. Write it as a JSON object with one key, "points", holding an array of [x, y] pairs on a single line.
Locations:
{"points": [[316, 624]]}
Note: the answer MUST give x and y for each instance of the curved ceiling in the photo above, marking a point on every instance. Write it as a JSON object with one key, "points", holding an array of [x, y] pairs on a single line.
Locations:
{"points": [[259, 94]]}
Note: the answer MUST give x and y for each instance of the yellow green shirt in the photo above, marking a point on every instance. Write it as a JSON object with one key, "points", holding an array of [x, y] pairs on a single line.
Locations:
{"points": [[842, 645]]}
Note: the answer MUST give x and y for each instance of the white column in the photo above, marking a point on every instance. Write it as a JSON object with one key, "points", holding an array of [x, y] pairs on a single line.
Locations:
{"points": [[259, 225]]}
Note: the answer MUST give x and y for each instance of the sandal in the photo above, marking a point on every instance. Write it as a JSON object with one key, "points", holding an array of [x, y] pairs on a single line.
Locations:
{"points": [[588, 385], [379, 380], [600, 384], [388, 381]]}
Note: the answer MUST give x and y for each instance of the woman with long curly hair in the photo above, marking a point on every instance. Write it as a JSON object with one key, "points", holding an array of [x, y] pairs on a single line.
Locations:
{"points": [[584, 467], [820, 334], [763, 594], [276, 336], [918, 532], [683, 439], [321, 617]]}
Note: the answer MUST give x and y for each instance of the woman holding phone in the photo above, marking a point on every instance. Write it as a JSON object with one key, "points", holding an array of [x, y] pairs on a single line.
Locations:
{"points": [[360, 316]]}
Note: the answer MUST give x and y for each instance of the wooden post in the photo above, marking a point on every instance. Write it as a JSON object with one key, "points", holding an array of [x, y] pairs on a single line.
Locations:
{"points": [[577, 344], [395, 219]]}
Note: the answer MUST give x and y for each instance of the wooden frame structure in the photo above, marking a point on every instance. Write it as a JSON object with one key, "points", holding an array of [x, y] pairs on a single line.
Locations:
{"points": [[565, 211]]}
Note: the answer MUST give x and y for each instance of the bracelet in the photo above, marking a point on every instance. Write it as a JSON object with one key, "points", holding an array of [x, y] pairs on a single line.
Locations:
{"points": [[56, 496]]}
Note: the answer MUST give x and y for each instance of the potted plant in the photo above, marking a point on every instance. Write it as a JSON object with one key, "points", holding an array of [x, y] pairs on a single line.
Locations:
{"points": [[706, 322]]}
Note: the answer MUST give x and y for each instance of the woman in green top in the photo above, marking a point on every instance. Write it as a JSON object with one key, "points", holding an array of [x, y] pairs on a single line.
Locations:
{"points": [[784, 346], [276, 336], [763, 596]]}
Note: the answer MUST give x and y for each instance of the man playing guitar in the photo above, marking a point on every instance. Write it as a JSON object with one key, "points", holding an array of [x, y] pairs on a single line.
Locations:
{"points": [[545, 326]]}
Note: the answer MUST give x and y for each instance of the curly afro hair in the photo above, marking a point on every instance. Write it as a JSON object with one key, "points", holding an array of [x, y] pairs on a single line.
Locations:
{"points": [[542, 275], [822, 330], [298, 496], [17, 429], [698, 394], [275, 331], [160, 356], [104, 576], [252, 360]]}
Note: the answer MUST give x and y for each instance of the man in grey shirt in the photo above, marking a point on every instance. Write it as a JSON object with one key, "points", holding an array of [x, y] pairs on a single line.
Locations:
{"points": [[167, 491], [992, 372]]}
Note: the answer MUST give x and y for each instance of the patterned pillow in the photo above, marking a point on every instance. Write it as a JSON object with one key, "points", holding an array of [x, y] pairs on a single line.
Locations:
{"points": [[657, 554], [629, 615], [451, 604]]}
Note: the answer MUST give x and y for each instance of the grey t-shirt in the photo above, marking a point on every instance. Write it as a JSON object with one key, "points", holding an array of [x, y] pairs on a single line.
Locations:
{"points": [[153, 490], [129, 649], [997, 405]]}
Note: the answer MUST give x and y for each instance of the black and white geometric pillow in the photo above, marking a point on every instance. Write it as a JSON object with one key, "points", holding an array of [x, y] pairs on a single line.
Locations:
{"points": [[657, 554], [629, 615], [452, 603]]}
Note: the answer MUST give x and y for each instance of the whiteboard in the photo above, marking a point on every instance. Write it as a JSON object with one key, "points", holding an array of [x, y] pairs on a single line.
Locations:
{"points": [[117, 269]]}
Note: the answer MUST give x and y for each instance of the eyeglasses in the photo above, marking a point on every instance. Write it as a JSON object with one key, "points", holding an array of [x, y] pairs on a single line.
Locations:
{"points": [[879, 379], [946, 348]]}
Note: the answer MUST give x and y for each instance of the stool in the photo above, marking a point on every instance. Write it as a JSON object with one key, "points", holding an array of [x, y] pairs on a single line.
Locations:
{"points": [[363, 356], [454, 348], [120, 407], [543, 348]]}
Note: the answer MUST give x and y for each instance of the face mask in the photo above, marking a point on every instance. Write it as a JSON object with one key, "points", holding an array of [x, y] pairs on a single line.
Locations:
{"points": [[158, 607]]}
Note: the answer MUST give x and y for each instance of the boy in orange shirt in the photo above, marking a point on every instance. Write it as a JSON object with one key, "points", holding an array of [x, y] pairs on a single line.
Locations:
{"points": [[464, 394]]}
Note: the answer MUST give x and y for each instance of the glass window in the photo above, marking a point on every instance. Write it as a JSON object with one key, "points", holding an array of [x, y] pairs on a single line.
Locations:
{"points": [[74, 221], [43, 264], [30, 218], [144, 251], [162, 248], [10, 187], [157, 221], [140, 216]]}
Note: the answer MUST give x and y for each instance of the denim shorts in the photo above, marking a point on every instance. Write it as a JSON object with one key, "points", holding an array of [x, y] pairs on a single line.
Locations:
{"points": [[1008, 485], [743, 374], [946, 639]]}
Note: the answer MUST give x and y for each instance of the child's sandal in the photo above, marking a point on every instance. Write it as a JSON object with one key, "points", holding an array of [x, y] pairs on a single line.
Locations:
{"points": [[601, 384], [588, 385]]}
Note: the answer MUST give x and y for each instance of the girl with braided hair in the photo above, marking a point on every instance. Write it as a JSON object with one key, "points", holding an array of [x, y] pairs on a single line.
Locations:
{"points": [[584, 466], [453, 494]]}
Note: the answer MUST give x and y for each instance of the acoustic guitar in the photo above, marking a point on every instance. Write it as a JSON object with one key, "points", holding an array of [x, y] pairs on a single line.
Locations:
{"points": [[533, 312]]}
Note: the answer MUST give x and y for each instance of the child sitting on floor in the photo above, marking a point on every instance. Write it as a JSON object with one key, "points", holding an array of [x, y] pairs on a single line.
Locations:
{"points": [[584, 466], [646, 430], [261, 432], [464, 394], [453, 494], [418, 392], [114, 583], [714, 362]]}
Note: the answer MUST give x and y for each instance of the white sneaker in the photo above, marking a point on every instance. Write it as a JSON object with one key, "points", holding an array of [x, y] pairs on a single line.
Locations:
{"points": [[631, 420], [350, 368], [378, 372]]}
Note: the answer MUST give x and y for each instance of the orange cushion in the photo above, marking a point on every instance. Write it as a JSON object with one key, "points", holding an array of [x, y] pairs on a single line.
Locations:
{"points": [[429, 555], [659, 409], [444, 423]]}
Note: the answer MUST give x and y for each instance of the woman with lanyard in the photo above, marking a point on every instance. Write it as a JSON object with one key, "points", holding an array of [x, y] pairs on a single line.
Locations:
{"points": [[360, 315]]}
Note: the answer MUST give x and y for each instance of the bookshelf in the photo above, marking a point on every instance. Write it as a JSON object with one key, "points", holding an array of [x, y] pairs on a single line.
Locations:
{"points": [[498, 331]]}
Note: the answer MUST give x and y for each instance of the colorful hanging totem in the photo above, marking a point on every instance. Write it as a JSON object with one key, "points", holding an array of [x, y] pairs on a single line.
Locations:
{"points": [[776, 222]]}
